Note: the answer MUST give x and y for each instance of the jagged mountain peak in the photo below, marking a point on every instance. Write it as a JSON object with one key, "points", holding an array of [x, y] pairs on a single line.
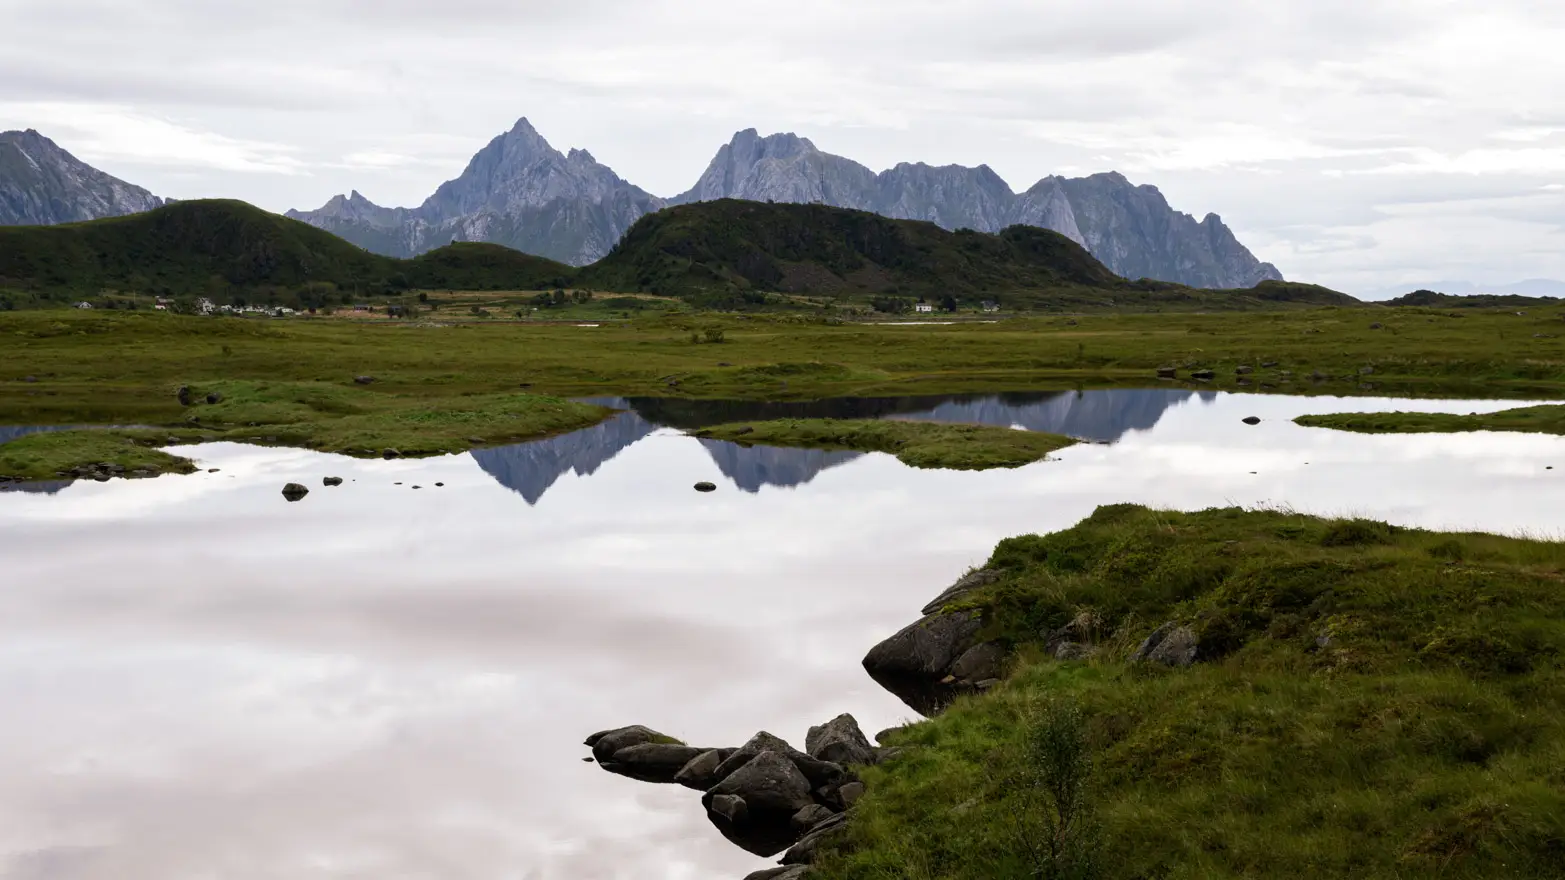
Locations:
{"points": [[41, 183]]}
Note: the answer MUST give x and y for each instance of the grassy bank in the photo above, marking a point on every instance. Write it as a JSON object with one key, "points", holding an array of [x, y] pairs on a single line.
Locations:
{"points": [[56, 454], [1367, 701], [98, 367], [1546, 419], [350, 419], [918, 444]]}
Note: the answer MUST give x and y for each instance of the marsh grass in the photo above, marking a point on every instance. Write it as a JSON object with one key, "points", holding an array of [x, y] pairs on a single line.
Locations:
{"points": [[1544, 419], [50, 455], [917, 444], [1370, 701]]}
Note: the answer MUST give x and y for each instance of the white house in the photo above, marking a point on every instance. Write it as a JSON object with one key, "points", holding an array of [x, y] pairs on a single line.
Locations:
{"points": [[923, 307]]}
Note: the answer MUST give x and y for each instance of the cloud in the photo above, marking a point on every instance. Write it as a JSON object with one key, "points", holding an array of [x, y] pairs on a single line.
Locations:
{"points": [[101, 132]]}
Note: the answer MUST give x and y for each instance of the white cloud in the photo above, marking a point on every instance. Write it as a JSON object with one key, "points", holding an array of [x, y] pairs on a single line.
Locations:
{"points": [[120, 134]]}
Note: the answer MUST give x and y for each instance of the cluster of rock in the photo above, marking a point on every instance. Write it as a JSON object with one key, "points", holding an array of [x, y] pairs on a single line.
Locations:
{"points": [[104, 471], [764, 796]]}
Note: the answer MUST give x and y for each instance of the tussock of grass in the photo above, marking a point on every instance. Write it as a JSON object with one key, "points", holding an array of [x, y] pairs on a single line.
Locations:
{"points": [[1545, 419], [918, 444], [49, 455], [1370, 702]]}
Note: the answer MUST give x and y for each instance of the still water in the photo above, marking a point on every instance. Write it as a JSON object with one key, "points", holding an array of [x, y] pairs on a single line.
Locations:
{"points": [[202, 680]]}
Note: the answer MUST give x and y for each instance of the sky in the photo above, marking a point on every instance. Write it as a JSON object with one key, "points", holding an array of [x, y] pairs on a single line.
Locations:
{"points": [[1370, 145]]}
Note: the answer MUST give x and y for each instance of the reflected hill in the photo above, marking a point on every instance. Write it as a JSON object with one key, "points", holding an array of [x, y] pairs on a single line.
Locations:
{"points": [[530, 469]]}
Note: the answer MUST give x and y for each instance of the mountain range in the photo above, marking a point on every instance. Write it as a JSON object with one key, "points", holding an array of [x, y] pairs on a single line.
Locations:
{"points": [[520, 192]]}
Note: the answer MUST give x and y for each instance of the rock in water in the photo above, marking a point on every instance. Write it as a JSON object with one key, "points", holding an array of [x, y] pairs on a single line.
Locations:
{"points": [[839, 741], [1252, 420], [652, 761], [295, 492], [915, 664], [773, 791], [700, 773], [706, 487], [606, 743], [332, 481]]}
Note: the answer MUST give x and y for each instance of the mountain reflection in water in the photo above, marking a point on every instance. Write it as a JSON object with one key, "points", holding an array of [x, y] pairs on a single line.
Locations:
{"points": [[529, 469]]}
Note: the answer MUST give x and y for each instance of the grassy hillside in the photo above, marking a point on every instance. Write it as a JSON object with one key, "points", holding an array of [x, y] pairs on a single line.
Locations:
{"points": [[1480, 300], [724, 254], [222, 248], [1366, 701], [728, 251]]}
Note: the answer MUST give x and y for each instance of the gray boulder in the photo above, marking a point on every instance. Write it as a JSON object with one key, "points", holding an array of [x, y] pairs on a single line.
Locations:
{"points": [[804, 852], [1170, 645], [605, 743], [809, 817], [700, 772], [295, 492], [817, 772], [915, 664], [332, 481], [979, 663], [773, 791], [839, 741], [652, 761]]}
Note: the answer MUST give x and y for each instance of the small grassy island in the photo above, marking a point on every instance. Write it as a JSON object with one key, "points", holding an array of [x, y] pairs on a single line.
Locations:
{"points": [[917, 444], [1344, 699], [347, 418], [1545, 419]]}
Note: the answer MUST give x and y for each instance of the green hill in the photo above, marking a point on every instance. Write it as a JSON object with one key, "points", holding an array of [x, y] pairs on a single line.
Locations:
{"points": [[721, 254], [731, 250], [1436, 299], [226, 247]]}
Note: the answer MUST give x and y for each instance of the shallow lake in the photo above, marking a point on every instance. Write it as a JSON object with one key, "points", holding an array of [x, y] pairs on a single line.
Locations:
{"points": [[201, 679]]}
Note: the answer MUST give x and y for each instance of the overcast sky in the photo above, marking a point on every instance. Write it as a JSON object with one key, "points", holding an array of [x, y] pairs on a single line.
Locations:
{"points": [[1361, 144]]}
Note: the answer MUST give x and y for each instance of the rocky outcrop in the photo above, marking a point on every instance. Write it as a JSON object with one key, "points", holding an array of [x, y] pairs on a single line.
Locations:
{"points": [[920, 664], [765, 796], [1169, 645], [42, 184]]}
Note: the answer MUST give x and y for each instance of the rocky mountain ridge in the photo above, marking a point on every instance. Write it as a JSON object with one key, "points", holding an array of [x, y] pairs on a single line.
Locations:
{"points": [[42, 184], [521, 192]]}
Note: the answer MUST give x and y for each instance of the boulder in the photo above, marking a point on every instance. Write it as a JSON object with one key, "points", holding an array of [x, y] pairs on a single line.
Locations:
{"points": [[1377, 326], [652, 761], [1166, 372], [390, 453], [706, 487], [363, 380], [294, 492], [1073, 651], [786, 872], [332, 481], [214, 398], [700, 772], [1206, 375], [851, 793], [803, 852], [183, 394], [1170, 645], [773, 792], [839, 741], [1243, 370], [809, 817], [965, 585], [980, 662], [1252, 420], [814, 770], [606, 743], [915, 664]]}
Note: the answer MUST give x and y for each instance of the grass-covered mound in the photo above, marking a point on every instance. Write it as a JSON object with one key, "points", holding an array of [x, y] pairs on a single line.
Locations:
{"points": [[918, 444], [1367, 701], [55, 454], [1545, 419]]}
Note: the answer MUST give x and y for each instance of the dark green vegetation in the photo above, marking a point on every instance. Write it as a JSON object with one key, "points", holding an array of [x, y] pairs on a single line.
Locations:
{"points": [[1545, 419], [1433, 299], [1367, 701], [330, 417], [725, 255], [918, 444], [122, 368], [223, 248], [729, 252], [48, 456]]}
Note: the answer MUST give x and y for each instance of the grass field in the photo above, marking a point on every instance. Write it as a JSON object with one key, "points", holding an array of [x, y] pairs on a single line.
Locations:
{"points": [[1367, 701]]}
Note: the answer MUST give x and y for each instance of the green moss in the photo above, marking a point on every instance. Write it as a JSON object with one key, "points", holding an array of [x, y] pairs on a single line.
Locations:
{"points": [[1544, 419], [1369, 702], [918, 444], [55, 454]]}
